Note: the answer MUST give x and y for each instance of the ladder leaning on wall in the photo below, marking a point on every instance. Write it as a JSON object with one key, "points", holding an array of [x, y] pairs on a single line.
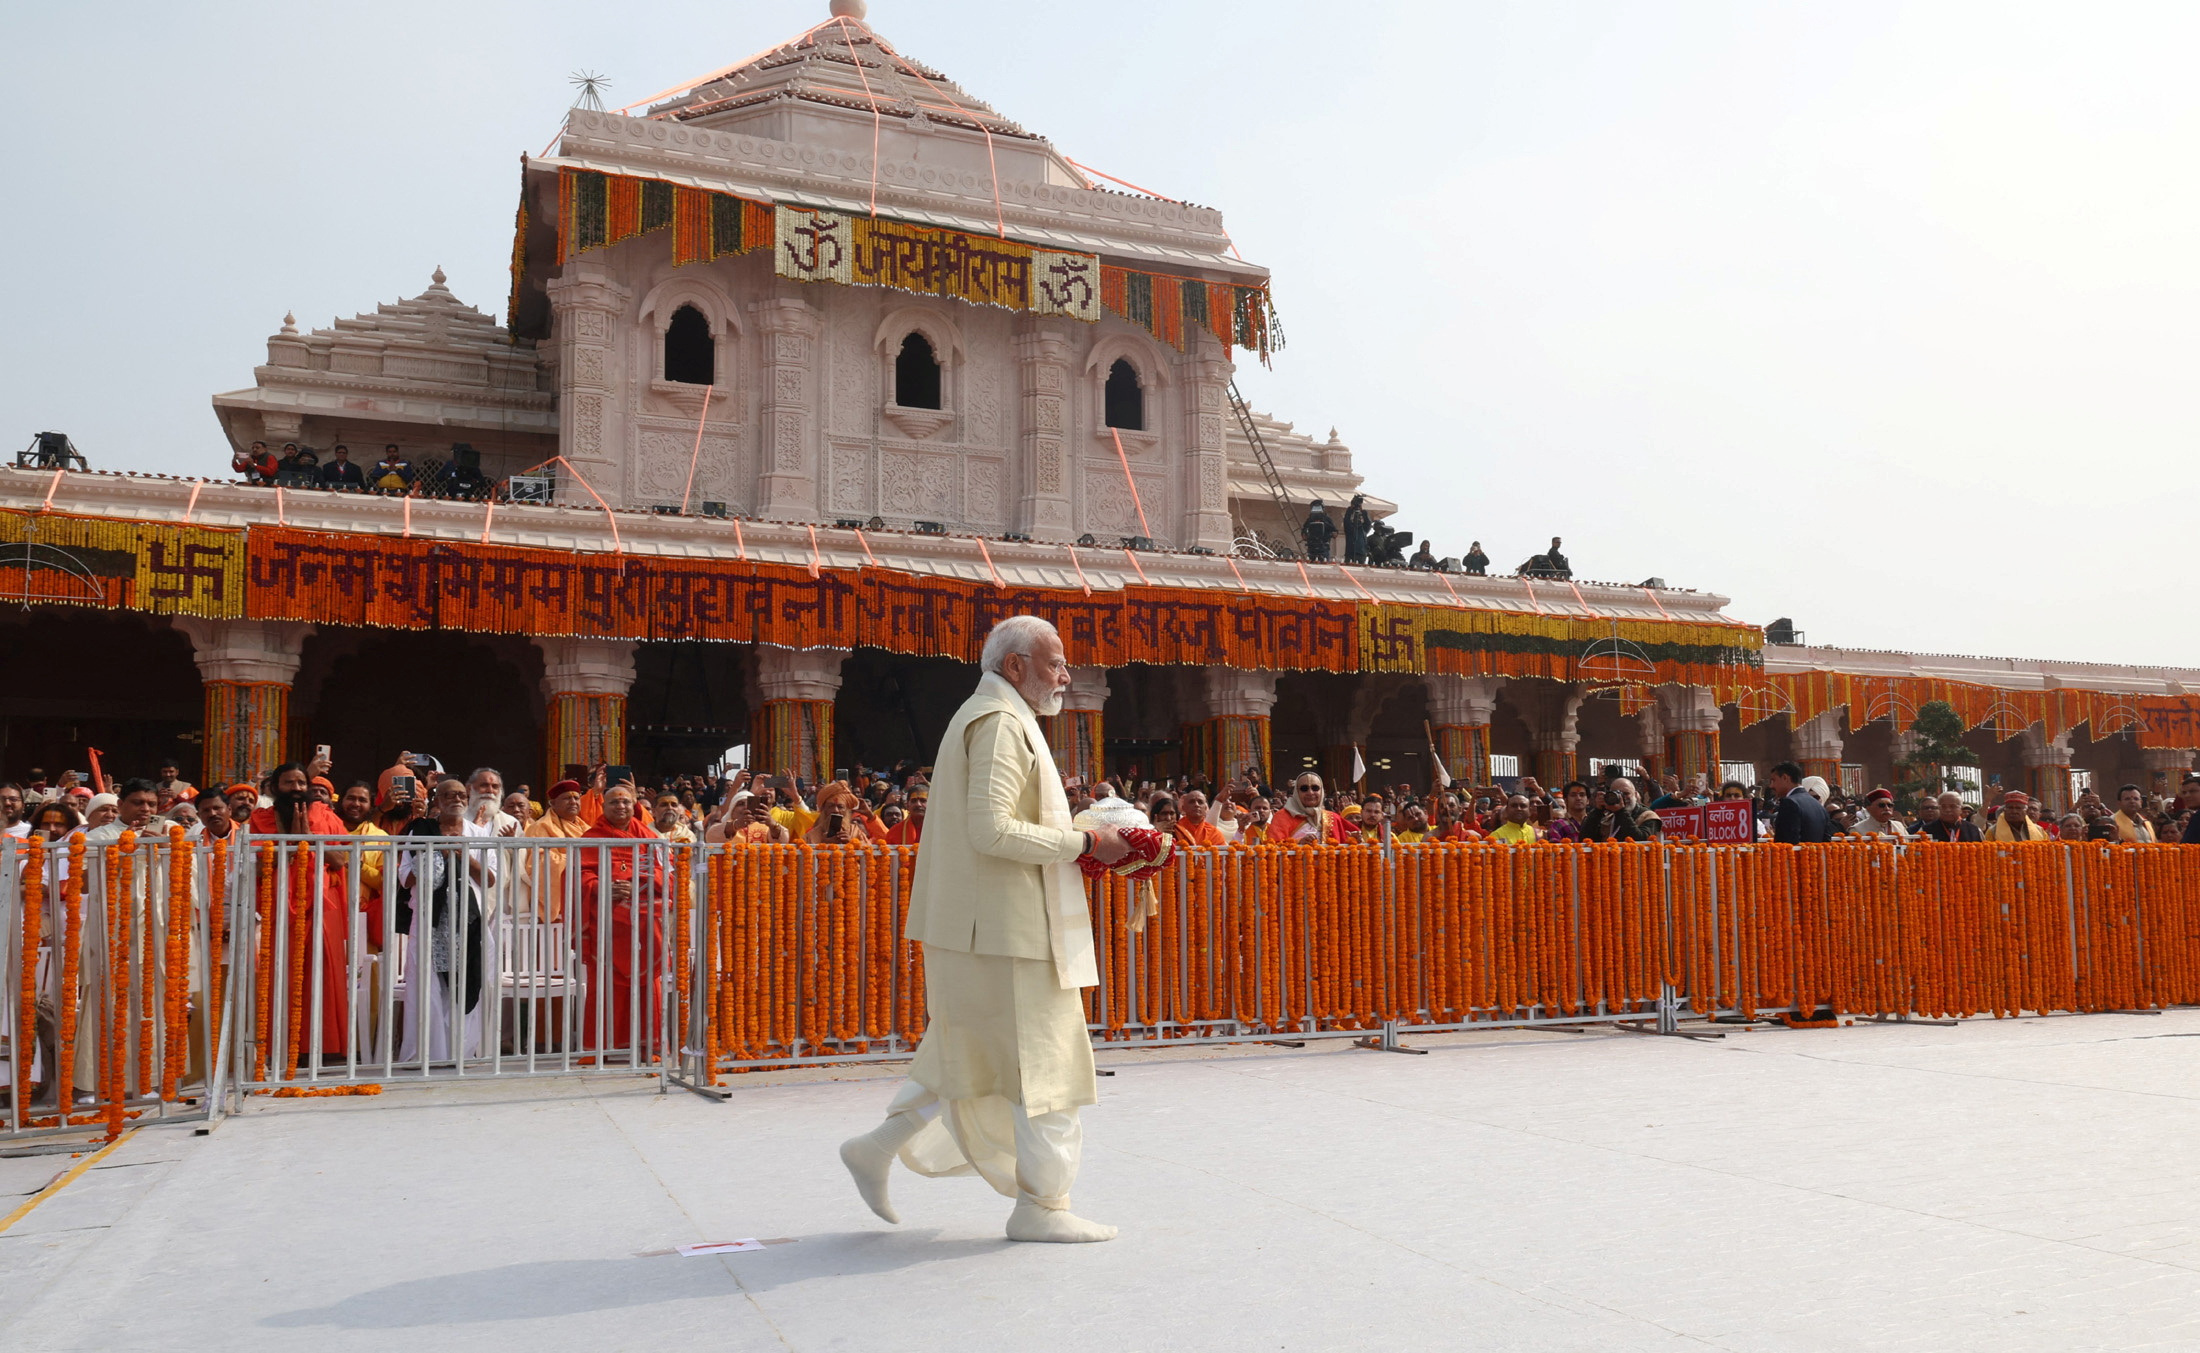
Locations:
{"points": [[1284, 510]]}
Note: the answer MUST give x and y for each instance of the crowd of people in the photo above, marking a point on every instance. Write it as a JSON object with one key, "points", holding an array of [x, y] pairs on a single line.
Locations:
{"points": [[1376, 544], [302, 467], [887, 806], [1616, 805]]}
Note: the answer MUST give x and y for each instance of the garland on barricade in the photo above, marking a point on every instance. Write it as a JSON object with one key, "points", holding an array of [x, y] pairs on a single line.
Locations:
{"points": [[176, 978], [796, 951], [803, 956], [116, 1041], [34, 916]]}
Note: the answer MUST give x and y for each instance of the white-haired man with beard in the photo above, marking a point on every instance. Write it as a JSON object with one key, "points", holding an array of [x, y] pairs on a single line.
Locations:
{"points": [[999, 905]]}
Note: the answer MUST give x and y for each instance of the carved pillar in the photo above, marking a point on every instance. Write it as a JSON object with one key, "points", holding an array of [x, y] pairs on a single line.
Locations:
{"points": [[247, 667], [584, 688], [792, 729], [1206, 520], [787, 454], [1042, 378], [1550, 710], [585, 308], [2047, 767], [1690, 716], [1460, 709], [1074, 735], [1816, 746], [1235, 732], [2166, 768]]}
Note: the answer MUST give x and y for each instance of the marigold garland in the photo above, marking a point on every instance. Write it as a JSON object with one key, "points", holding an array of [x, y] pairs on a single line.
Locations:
{"points": [[34, 917]]}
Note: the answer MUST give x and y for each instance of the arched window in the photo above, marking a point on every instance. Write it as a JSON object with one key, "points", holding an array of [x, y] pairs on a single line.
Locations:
{"points": [[917, 374], [690, 355], [1126, 398]]}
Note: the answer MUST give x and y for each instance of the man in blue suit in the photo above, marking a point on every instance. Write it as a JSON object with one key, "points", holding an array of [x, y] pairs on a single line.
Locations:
{"points": [[1797, 818]]}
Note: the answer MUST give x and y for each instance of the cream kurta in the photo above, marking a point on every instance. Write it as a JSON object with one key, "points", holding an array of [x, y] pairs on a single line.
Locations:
{"points": [[1000, 909]]}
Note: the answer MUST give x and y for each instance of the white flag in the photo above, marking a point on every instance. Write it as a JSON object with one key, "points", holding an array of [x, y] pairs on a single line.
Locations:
{"points": [[1359, 767]]}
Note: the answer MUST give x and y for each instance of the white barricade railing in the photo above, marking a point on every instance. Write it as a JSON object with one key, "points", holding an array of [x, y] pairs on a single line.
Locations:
{"points": [[155, 976]]}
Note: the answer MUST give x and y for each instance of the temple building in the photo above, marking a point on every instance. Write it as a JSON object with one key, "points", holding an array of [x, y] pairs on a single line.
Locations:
{"points": [[809, 371]]}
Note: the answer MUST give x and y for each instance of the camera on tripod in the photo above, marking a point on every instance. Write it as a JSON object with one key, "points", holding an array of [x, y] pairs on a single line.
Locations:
{"points": [[51, 451]]}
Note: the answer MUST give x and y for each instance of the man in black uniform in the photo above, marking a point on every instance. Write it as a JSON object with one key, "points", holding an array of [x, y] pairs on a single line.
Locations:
{"points": [[1317, 532], [1356, 523]]}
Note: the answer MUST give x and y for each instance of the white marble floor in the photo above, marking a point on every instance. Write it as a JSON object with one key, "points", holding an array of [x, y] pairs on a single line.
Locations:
{"points": [[2008, 1186]]}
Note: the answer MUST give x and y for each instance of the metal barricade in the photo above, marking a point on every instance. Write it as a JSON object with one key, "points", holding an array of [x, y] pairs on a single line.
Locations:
{"points": [[111, 959], [389, 959], [157, 976]]}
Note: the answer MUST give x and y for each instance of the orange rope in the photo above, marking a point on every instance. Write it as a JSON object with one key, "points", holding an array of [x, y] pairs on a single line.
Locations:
{"points": [[1125, 461]]}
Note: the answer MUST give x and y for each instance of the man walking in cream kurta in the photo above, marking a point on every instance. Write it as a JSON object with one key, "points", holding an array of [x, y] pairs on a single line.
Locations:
{"points": [[999, 905]]}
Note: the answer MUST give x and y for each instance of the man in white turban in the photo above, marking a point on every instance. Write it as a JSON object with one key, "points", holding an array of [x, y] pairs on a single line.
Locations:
{"points": [[999, 905]]}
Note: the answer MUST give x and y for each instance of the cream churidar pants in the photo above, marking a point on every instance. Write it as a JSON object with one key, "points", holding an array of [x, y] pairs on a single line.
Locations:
{"points": [[1003, 1069]]}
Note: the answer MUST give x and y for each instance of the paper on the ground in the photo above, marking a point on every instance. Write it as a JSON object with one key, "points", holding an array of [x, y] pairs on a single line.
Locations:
{"points": [[719, 1247]]}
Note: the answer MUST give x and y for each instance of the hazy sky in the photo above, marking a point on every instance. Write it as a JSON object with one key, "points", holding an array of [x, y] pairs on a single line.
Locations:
{"points": [[1878, 316]]}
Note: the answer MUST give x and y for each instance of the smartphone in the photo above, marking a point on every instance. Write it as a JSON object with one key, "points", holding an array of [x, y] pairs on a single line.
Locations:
{"points": [[320, 752], [841, 774], [833, 825], [618, 775], [401, 786], [576, 772]]}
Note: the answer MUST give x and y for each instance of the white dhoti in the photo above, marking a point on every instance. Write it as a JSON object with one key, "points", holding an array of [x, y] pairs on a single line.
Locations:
{"points": [[1004, 1067]]}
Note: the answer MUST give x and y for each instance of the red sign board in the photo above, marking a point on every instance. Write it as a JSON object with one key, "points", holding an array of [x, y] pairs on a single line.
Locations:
{"points": [[1719, 824]]}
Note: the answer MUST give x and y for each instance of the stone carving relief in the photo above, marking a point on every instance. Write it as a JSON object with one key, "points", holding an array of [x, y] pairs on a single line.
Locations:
{"points": [[588, 366], [787, 441], [660, 467], [985, 403], [982, 492], [851, 478], [588, 424], [789, 348], [1108, 507], [914, 485], [789, 385], [590, 325], [1050, 468], [852, 395], [1210, 482]]}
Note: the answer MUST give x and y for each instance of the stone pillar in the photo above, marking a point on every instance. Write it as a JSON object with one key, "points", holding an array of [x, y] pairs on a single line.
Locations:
{"points": [[247, 667], [2047, 767], [1650, 746], [1816, 747], [1042, 377], [1690, 715], [1459, 710], [1075, 735], [792, 729], [787, 454], [2166, 769], [1235, 732], [586, 306], [1206, 519], [584, 687], [1550, 710]]}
